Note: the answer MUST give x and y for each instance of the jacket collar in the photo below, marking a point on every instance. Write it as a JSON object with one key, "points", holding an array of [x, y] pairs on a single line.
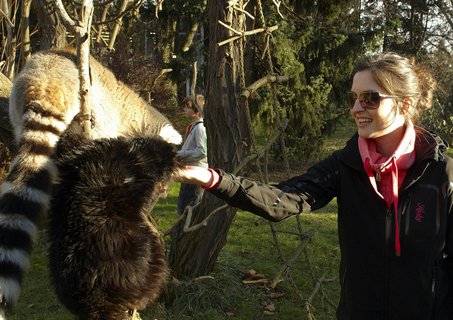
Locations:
{"points": [[350, 154], [428, 146]]}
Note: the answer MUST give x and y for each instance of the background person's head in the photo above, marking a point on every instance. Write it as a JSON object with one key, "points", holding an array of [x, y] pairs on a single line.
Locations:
{"points": [[191, 109]]}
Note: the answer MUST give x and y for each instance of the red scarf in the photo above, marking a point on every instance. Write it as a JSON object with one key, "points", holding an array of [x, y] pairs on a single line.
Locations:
{"points": [[390, 172], [189, 128]]}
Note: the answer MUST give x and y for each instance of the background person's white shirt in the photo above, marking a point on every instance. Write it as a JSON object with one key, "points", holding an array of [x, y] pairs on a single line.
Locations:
{"points": [[194, 150]]}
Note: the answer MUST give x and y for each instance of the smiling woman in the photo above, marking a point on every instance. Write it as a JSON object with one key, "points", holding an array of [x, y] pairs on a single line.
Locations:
{"points": [[393, 184]]}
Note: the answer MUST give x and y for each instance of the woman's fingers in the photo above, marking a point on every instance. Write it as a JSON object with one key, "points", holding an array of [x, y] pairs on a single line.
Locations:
{"points": [[193, 175]]}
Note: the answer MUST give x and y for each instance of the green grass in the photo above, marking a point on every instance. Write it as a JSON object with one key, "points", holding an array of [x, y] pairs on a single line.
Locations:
{"points": [[223, 295]]}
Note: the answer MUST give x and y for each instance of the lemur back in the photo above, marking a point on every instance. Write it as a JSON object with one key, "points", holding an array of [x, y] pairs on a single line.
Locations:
{"points": [[51, 79], [106, 256], [43, 104]]}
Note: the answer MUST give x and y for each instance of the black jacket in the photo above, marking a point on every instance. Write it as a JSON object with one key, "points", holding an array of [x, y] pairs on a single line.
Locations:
{"points": [[375, 283]]}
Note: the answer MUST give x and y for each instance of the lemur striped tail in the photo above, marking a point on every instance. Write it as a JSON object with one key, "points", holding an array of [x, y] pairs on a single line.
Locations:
{"points": [[25, 193]]}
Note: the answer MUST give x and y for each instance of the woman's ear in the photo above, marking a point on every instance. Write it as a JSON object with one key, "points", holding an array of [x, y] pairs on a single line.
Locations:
{"points": [[407, 103]]}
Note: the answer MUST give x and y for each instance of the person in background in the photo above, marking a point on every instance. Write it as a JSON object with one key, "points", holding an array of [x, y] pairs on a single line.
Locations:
{"points": [[393, 183], [194, 149]]}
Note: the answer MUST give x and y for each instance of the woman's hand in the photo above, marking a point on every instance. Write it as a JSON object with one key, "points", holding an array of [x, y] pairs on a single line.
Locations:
{"points": [[199, 176]]}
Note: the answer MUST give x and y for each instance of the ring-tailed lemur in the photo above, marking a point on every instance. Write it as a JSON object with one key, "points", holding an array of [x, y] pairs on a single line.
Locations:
{"points": [[106, 256], [43, 104]]}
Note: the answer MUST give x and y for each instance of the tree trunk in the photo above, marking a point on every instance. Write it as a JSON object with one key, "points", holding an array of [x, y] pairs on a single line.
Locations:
{"points": [[6, 131], [53, 32], [166, 42], [226, 118]]}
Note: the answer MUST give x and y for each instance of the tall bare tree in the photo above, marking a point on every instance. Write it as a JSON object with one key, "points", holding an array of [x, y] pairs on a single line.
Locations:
{"points": [[226, 117]]}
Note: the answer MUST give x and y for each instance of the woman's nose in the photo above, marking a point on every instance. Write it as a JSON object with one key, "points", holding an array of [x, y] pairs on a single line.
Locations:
{"points": [[357, 106]]}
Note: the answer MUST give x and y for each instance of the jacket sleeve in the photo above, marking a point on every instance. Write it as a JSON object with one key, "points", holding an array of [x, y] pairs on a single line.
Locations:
{"points": [[449, 233], [198, 145], [309, 191]]}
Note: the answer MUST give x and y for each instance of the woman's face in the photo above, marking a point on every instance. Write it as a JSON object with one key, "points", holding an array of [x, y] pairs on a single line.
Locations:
{"points": [[374, 123]]}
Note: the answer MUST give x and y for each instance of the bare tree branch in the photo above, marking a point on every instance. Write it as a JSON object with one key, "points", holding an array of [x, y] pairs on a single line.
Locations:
{"points": [[25, 30], [81, 29], [260, 152], [6, 16], [284, 268], [67, 21], [83, 52], [153, 83], [230, 28], [261, 82], [117, 26], [190, 36], [10, 46], [277, 5], [194, 82], [245, 33], [308, 301], [98, 4], [192, 89], [99, 36], [120, 15], [248, 14], [102, 23], [203, 223], [158, 7]]}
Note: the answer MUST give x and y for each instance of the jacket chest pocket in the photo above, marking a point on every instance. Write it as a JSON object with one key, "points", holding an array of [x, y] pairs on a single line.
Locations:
{"points": [[421, 213]]}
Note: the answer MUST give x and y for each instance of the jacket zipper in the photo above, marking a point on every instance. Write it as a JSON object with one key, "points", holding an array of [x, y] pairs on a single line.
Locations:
{"points": [[403, 212], [388, 229], [433, 290], [434, 282], [343, 277]]}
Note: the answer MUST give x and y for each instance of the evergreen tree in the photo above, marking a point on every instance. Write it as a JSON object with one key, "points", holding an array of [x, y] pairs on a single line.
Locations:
{"points": [[316, 46]]}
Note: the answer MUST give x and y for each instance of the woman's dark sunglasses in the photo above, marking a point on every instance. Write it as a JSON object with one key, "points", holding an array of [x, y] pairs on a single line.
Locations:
{"points": [[367, 99]]}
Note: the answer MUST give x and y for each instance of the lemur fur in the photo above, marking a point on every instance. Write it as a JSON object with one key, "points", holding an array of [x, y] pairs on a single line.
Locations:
{"points": [[43, 104], [106, 256]]}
